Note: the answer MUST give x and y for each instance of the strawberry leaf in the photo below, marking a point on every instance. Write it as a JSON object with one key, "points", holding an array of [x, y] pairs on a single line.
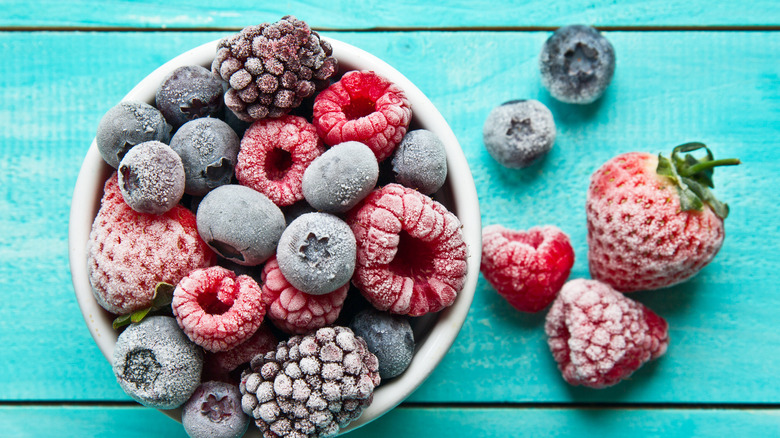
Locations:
{"points": [[138, 315], [163, 296], [120, 321]]}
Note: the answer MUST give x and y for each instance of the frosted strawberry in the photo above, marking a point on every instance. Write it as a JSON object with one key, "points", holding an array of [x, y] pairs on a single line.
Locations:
{"points": [[652, 220]]}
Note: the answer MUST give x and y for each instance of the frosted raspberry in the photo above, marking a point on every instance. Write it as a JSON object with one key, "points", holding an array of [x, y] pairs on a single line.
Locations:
{"points": [[216, 309], [527, 268], [274, 154], [598, 336], [217, 366], [294, 311], [411, 257], [364, 107], [130, 252]]}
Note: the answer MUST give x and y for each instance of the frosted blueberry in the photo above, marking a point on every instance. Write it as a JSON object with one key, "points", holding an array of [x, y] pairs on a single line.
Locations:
{"points": [[208, 149], [126, 125], [420, 161], [240, 224], [316, 253], [389, 337], [577, 64], [519, 132], [188, 93], [151, 178], [339, 178], [214, 411]]}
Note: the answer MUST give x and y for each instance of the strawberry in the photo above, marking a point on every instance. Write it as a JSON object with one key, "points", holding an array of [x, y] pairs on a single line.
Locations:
{"points": [[652, 221]]}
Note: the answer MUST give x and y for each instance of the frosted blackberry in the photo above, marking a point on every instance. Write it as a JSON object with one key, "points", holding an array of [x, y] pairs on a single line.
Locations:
{"points": [[272, 68], [240, 224], [126, 125], [389, 337], [316, 253], [420, 161], [156, 364], [338, 179], [209, 150], [188, 93], [151, 178], [577, 64], [519, 132], [214, 411]]}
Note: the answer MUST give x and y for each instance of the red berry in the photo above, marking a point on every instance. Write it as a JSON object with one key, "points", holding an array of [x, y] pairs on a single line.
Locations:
{"points": [[527, 268], [599, 337], [217, 366]]}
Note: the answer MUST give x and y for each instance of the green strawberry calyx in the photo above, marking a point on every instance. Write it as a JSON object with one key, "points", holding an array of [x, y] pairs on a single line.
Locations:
{"points": [[163, 296], [693, 177]]}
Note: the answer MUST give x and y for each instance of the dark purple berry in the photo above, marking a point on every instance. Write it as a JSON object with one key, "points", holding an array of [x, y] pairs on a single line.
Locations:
{"points": [[151, 178], [209, 150], [420, 162], [214, 411], [126, 125], [189, 93], [389, 337]]}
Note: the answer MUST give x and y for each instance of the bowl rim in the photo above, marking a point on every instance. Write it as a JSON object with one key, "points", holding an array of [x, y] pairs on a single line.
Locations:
{"points": [[465, 205]]}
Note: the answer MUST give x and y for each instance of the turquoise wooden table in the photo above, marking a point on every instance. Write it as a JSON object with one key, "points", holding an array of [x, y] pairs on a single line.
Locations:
{"points": [[686, 70]]}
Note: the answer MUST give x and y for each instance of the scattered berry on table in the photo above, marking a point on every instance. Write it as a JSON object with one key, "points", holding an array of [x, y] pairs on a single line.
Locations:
{"points": [[599, 336], [339, 178], [389, 337], [240, 224], [126, 125], [577, 64], [214, 411], [156, 364], [527, 268], [151, 177], [219, 365], [420, 161], [519, 133], [363, 106], [188, 93]]}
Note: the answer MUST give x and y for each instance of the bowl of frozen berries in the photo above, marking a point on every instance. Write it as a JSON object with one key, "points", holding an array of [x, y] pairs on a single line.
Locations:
{"points": [[274, 234]]}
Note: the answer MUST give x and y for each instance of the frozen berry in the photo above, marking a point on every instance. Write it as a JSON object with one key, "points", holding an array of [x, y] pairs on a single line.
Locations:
{"points": [[338, 179], [518, 133], [240, 224], [411, 257], [126, 125], [156, 364], [274, 154], [219, 365], [316, 253], [151, 177], [208, 149], [527, 268], [292, 212], [389, 337], [364, 107], [214, 411], [188, 93], [577, 64], [420, 162]]}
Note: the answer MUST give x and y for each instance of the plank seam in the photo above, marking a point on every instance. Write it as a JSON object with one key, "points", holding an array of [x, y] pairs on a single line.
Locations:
{"points": [[705, 28]]}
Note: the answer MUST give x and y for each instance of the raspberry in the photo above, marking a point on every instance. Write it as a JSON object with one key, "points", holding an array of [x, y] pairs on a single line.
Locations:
{"points": [[218, 365], [216, 309], [598, 336], [274, 154], [527, 268], [364, 107], [411, 257], [294, 311]]}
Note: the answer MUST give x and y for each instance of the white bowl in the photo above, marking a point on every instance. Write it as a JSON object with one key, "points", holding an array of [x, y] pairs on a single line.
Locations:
{"points": [[433, 337]]}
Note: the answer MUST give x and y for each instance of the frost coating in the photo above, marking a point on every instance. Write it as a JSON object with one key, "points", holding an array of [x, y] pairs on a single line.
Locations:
{"points": [[420, 161], [151, 178], [126, 125], [188, 93], [519, 133], [214, 411], [338, 179], [208, 149]]}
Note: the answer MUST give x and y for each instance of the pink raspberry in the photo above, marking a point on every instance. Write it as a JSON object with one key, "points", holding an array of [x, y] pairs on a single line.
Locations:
{"points": [[527, 268], [130, 252], [411, 257], [218, 366], [216, 309], [274, 153], [364, 107], [294, 311], [598, 336]]}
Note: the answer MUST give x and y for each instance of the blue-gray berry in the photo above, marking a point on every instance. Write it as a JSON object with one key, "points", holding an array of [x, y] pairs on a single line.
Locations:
{"points": [[126, 125], [519, 132], [317, 253], [151, 178], [389, 337], [420, 161], [214, 411], [208, 149], [577, 64], [240, 224], [156, 364], [188, 93], [339, 178]]}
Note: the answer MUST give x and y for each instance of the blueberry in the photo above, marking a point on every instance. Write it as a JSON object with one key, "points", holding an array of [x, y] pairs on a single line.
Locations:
{"points": [[156, 364], [317, 253], [208, 149], [389, 337], [420, 161], [151, 178], [126, 125], [519, 132], [240, 224], [339, 178], [292, 212], [214, 411], [577, 64], [189, 93]]}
